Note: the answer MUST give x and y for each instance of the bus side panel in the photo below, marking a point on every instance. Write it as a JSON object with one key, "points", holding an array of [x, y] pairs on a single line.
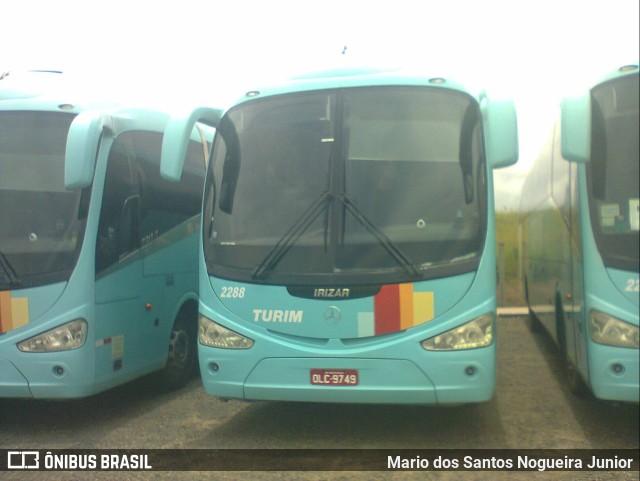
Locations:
{"points": [[119, 313], [579, 333], [549, 251], [170, 279], [536, 207], [543, 265]]}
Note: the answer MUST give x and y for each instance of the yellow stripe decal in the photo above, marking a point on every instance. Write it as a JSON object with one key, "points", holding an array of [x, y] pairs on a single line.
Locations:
{"points": [[422, 307]]}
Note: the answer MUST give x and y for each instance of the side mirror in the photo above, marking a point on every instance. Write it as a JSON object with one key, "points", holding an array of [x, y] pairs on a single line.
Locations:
{"points": [[575, 128], [177, 136], [501, 132], [82, 148]]}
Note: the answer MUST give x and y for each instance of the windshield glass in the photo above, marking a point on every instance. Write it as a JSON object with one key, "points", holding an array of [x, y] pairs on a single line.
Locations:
{"points": [[40, 232], [362, 185], [613, 172]]}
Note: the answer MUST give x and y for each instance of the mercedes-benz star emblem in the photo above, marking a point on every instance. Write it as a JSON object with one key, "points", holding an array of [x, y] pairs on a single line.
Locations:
{"points": [[332, 314]]}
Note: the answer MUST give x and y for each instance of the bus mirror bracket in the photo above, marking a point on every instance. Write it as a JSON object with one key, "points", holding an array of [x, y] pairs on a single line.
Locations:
{"points": [[177, 136], [501, 130], [82, 148], [575, 126]]}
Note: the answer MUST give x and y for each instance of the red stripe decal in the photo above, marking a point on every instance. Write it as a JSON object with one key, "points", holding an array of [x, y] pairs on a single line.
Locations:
{"points": [[387, 309]]}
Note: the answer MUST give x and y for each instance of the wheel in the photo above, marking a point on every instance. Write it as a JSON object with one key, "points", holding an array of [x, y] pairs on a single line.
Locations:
{"points": [[183, 353]]}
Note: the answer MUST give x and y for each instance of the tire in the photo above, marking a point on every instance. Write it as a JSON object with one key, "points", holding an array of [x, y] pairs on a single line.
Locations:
{"points": [[182, 355]]}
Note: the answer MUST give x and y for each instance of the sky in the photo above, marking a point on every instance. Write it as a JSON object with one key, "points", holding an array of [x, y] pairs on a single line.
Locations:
{"points": [[210, 51]]}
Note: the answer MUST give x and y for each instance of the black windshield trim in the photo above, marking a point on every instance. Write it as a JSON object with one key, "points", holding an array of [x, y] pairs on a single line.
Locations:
{"points": [[405, 271]]}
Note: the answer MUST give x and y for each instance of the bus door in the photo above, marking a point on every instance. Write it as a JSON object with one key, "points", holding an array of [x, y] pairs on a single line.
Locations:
{"points": [[118, 269], [577, 337], [164, 257]]}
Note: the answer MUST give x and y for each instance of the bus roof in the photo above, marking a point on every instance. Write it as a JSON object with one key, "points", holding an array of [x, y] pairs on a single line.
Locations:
{"points": [[356, 77], [628, 69], [50, 90], [54, 91]]}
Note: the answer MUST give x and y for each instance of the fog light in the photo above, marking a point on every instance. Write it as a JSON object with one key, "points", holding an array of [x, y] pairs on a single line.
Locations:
{"points": [[470, 371], [617, 368], [214, 367], [58, 370]]}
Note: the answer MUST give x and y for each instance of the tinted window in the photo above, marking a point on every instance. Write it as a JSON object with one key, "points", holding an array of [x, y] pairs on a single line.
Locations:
{"points": [[347, 183], [41, 223]]}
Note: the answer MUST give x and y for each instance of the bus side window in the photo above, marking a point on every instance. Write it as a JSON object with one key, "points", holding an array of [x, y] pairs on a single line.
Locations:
{"points": [[117, 230], [163, 204]]}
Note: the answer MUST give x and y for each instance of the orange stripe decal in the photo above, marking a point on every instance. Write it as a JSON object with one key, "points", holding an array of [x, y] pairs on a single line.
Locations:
{"points": [[5, 311], [406, 306], [14, 311], [395, 308]]}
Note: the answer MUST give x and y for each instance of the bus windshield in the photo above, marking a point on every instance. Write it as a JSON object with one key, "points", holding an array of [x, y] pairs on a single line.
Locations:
{"points": [[41, 228], [613, 172], [360, 185]]}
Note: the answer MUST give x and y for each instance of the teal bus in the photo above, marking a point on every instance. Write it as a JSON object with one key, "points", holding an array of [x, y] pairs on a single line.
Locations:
{"points": [[98, 254], [579, 226], [348, 241]]}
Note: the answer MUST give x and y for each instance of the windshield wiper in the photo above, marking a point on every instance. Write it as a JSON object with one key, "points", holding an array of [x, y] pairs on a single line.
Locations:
{"points": [[291, 237], [9, 272], [310, 215], [392, 249]]}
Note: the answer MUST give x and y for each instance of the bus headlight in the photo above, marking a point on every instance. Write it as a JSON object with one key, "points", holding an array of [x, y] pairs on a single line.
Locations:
{"points": [[214, 335], [71, 335], [473, 334], [608, 330]]}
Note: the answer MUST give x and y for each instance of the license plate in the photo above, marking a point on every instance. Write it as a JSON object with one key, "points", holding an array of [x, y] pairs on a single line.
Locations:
{"points": [[334, 377]]}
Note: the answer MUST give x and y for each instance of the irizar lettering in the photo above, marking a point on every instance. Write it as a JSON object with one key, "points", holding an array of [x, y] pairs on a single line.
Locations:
{"points": [[330, 292], [277, 315]]}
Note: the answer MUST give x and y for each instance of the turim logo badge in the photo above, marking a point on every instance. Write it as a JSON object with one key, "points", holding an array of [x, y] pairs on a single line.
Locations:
{"points": [[277, 315]]}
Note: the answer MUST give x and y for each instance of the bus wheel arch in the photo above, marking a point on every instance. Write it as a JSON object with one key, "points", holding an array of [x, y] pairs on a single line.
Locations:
{"points": [[532, 321], [574, 380], [561, 325], [183, 348]]}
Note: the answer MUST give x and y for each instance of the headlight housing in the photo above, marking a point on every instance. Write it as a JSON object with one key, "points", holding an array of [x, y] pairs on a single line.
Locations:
{"points": [[212, 334], [605, 329], [71, 335], [471, 335]]}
